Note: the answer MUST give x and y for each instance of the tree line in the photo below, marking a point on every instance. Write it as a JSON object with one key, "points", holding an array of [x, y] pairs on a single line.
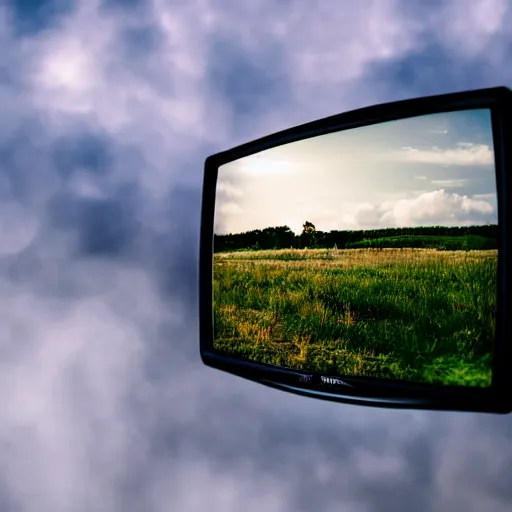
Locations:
{"points": [[282, 237]]}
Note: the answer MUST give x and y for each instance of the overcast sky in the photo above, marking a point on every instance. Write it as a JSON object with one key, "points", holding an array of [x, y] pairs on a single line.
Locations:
{"points": [[430, 170], [108, 110]]}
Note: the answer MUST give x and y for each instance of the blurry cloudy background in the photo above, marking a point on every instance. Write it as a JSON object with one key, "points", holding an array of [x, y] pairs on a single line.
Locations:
{"points": [[108, 109]]}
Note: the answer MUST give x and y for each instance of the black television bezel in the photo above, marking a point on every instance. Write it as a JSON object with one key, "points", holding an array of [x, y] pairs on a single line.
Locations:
{"points": [[496, 398]]}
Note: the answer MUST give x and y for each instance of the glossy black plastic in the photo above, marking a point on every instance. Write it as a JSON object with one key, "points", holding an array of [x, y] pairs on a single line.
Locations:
{"points": [[362, 390]]}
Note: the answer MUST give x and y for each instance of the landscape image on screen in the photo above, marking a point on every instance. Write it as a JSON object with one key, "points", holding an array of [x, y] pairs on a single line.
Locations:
{"points": [[368, 252]]}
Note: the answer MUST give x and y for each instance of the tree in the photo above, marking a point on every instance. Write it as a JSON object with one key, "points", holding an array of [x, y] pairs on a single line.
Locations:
{"points": [[308, 227], [308, 235]]}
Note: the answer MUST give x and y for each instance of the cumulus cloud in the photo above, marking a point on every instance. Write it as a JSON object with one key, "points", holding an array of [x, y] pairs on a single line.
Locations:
{"points": [[18, 228], [438, 207], [108, 111]]}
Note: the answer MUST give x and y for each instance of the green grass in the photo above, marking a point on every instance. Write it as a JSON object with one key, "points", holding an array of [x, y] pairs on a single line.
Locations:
{"points": [[408, 314]]}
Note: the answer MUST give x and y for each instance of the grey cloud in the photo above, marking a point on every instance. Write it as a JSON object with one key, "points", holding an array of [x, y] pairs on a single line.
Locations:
{"points": [[104, 226], [140, 51], [251, 81], [106, 405], [420, 72], [141, 41], [30, 18], [176, 250], [23, 159], [441, 52], [89, 151], [124, 5]]}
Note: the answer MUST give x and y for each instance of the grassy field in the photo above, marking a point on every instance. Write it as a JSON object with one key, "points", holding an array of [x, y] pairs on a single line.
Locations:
{"points": [[409, 314]]}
